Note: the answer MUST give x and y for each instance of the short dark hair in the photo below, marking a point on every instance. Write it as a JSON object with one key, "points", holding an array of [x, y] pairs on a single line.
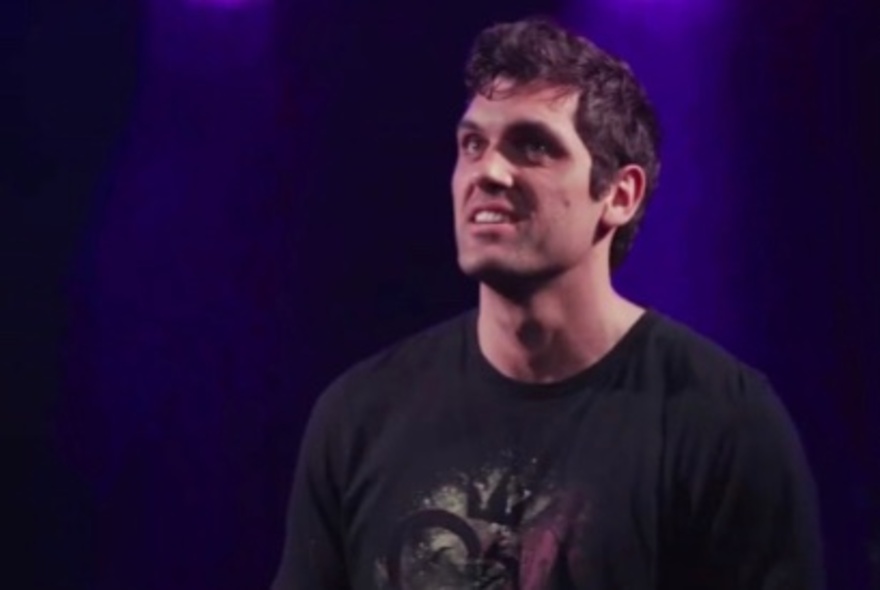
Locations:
{"points": [[614, 118]]}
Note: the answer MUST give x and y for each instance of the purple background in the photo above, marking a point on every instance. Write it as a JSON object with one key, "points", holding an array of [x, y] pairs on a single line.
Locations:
{"points": [[210, 208]]}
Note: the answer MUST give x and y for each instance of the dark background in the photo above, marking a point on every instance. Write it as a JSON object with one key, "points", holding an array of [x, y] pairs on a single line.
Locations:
{"points": [[210, 208]]}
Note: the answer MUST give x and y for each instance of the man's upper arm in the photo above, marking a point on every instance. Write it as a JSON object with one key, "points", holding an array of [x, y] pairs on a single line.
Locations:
{"points": [[313, 557], [752, 509]]}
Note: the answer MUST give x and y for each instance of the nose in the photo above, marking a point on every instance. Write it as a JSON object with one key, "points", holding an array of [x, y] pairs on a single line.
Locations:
{"points": [[494, 173]]}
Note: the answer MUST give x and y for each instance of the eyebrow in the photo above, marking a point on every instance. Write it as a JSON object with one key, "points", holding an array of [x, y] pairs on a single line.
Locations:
{"points": [[519, 125], [468, 125]]}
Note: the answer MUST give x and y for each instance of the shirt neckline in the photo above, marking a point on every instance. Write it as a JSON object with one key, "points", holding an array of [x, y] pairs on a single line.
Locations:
{"points": [[592, 377]]}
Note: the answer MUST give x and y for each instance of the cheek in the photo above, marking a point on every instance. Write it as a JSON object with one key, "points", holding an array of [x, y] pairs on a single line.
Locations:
{"points": [[566, 189], [458, 184], [575, 196], [575, 210]]}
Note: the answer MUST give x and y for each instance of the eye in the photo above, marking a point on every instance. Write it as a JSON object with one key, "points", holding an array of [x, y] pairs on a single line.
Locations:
{"points": [[472, 145], [535, 150]]}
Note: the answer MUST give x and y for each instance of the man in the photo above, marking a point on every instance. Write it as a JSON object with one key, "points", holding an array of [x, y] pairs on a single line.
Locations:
{"points": [[560, 436]]}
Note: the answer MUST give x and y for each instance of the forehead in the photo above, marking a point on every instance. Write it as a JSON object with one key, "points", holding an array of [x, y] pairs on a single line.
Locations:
{"points": [[504, 104]]}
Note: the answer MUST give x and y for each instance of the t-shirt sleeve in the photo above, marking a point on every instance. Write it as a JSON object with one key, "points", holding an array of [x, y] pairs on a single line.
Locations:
{"points": [[313, 556], [745, 507]]}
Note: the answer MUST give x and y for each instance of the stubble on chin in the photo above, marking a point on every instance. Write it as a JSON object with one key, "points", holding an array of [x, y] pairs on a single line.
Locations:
{"points": [[514, 280]]}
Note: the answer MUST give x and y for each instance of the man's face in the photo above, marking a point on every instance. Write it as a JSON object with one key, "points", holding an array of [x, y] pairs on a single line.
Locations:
{"points": [[521, 187]]}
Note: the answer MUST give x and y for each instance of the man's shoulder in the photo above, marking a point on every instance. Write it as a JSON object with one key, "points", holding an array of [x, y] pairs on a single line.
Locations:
{"points": [[693, 363], [724, 421], [412, 356]]}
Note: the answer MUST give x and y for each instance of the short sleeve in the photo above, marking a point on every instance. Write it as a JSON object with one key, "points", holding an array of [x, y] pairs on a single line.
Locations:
{"points": [[313, 555], [744, 512]]}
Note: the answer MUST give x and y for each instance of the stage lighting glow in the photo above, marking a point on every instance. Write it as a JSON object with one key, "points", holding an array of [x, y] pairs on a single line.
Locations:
{"points": [[226, 4]]}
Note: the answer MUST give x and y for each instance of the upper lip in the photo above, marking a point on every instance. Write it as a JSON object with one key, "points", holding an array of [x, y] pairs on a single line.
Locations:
{"points": [[492, 207]]}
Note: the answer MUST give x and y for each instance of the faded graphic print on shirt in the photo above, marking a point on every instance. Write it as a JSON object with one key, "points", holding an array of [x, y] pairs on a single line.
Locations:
{"points": [[497, 529]]}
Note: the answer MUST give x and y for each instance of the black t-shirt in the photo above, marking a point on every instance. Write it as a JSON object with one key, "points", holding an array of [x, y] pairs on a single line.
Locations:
{"points": [[667, 464]]}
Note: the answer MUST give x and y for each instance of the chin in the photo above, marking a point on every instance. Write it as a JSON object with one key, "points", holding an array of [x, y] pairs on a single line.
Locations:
{"points": [[479, 267], [513, 279]]}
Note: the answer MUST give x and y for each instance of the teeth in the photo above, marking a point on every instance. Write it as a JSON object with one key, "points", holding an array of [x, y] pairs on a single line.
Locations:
{"points": [[491, 217]]}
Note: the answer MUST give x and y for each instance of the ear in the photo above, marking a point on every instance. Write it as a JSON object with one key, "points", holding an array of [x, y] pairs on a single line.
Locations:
{"points": [[624, 196]]}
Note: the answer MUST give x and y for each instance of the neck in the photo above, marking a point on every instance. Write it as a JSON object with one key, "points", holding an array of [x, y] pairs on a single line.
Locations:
{"points": [[555, 331]]}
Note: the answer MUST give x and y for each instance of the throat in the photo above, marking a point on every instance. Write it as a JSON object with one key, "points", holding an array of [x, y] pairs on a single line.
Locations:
{"points": [[534, 353], [542, 355], [551, 349]]}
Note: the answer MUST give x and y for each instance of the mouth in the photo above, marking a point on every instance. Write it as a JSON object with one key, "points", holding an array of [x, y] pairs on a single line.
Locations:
{"points": [[493, 217]]}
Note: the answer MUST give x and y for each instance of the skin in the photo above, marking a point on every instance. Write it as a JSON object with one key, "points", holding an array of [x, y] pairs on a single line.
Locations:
{"points": [[547, 308]]}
